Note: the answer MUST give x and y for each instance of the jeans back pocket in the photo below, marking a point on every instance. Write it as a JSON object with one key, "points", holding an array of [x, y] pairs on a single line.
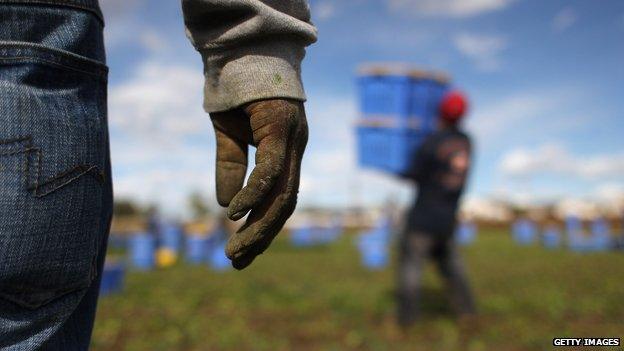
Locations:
{"points": [[54, 176]]}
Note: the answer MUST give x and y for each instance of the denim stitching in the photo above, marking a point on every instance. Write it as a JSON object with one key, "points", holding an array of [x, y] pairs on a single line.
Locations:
{"points": [[27, 59], [22, 51], [82, 5], [43, 188]]}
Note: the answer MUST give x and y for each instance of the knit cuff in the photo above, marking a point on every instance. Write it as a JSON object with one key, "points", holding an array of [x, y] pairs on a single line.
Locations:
{"points": [[267, 71]]}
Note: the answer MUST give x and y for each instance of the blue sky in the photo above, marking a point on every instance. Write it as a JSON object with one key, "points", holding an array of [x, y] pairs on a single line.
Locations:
{"points": [[545, 78]]}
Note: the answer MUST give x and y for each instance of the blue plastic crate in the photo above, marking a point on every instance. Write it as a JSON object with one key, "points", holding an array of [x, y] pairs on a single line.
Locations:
{"points": [[387, 149], [385, 95], [411, 100], [427, 95]]}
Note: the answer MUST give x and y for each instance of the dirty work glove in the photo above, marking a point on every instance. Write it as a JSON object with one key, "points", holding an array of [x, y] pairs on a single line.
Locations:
{"points": [[279, 131]]}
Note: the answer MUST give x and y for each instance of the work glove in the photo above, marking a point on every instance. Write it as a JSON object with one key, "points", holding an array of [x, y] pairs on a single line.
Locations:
{"points": [[279, 131]]}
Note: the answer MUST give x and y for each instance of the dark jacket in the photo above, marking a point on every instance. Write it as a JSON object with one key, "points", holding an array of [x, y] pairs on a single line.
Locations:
{"points": [[440, 168]]}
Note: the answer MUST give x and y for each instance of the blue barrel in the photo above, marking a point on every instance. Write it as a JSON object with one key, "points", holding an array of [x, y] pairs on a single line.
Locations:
{"points": [[373, 245], [374, 252], [375, 258], [524, 231], [600, 235], [330, 234], [217, 259], [466, 233], [573, 225], [142, 247], [112, 278], [577, 241], [618, 242], [302, 236], [116, 241], [216, 250], [197, 247], [171, 237], [551, 238]]}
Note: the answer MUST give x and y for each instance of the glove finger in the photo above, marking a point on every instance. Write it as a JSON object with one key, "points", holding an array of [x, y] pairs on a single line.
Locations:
{"points": [[266, 220], [231, 167], [272, 140]]}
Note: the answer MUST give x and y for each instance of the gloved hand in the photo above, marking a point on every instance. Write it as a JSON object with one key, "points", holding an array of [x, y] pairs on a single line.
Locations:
{"points": [[279, 131]]}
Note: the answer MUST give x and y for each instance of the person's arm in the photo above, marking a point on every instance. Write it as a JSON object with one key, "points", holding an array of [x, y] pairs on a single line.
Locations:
{"points": [[252, 52]]}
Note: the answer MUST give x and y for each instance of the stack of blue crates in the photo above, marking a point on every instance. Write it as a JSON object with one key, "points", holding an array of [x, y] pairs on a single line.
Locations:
{"points": [[399, 107]]}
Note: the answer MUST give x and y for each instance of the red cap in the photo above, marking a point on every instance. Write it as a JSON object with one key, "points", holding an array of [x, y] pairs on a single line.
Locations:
{"points": [[453, 106]]}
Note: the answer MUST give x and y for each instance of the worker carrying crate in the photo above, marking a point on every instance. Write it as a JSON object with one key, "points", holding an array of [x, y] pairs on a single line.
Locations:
{"points": [[399, 107], [410, 127]]}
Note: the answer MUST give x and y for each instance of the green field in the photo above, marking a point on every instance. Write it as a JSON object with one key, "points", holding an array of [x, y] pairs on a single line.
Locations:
{"points": [[321, 299]]}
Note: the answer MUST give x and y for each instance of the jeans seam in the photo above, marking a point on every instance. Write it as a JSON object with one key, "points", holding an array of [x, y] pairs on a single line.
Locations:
{"points": [[43, 188], [40, 60], [16, 53], [74, 4]]}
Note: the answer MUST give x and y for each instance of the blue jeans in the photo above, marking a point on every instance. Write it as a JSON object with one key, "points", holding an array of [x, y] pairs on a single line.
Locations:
{"points": [[55, 179]]}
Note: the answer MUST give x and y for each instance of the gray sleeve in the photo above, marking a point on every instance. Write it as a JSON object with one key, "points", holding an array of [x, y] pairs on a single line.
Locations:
{"points": [[251, 49]]}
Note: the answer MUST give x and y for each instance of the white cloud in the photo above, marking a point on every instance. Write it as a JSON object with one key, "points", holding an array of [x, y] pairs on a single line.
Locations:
{"points": [[611, 191], [324, 10], [153, 41], [160, 103], [496, 120], [564, 19], [447, 8], [483, 49], [125, 25], [162, 144], [555, 159]]}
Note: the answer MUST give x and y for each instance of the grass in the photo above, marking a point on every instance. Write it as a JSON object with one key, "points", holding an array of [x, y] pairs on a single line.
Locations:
{"points": [[322, 299]]}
